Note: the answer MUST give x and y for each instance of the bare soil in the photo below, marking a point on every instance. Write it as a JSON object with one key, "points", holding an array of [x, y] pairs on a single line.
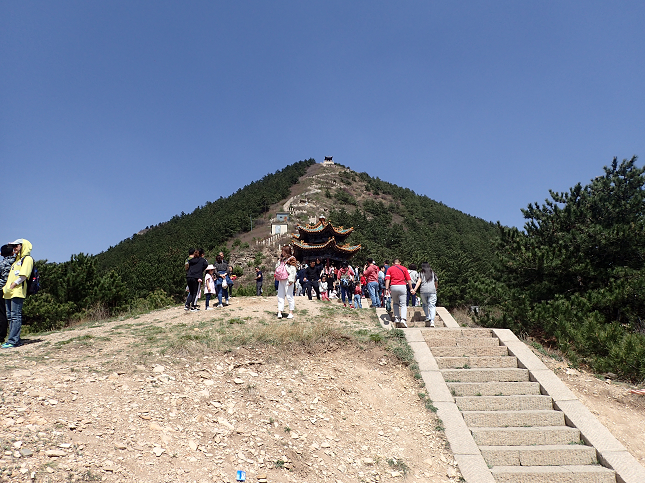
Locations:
{"points": [[174, 396]]}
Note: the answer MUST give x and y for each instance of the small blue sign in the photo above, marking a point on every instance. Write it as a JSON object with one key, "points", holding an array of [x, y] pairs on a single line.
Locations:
{"points": [[241, 475]]}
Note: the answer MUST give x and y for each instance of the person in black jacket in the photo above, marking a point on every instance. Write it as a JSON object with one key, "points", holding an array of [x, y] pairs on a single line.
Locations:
{"points": [[312, 279], [195, 266]]}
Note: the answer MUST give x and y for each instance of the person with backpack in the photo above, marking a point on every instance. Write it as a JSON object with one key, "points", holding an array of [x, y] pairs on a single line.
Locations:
{"points": [[396, 280], [427, 286], [346, 277], [285, 275], [5, 266], [15, 289]]}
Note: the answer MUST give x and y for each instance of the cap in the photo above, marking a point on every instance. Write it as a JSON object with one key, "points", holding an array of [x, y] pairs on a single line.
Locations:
{"points": [[17, 242]]}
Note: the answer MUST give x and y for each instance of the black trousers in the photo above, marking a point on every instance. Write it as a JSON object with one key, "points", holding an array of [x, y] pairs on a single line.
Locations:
{"points": [[3, 321], [193, 285], [315, 286]]}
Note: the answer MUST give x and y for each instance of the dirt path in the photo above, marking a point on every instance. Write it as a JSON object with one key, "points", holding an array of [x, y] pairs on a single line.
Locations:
{"points": [[193, 397]]}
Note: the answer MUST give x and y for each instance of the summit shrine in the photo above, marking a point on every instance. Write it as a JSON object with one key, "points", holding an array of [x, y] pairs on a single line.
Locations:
{"points": [[324, 241]]}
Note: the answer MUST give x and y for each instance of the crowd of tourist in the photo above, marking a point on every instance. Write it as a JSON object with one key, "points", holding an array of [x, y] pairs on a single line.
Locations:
{"points": [[392, 286]]}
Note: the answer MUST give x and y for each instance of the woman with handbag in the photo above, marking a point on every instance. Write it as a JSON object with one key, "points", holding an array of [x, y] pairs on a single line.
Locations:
{"points": [[285, 275]]}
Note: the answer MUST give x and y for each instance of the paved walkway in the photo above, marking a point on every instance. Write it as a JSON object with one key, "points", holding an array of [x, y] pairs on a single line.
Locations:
{"points": [[507, 417]]}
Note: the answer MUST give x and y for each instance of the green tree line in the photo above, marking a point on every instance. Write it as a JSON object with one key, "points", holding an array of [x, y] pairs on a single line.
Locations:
{"points": [[149, 267], [575, 277]]}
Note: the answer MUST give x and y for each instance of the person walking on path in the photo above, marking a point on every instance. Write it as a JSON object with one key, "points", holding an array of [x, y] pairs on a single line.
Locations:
{"points": [[427, 286], [15, 289], [371, 277], [414, 276], [5, 266], [258, 281], [194, 276], [285, 274], [396, 280]]}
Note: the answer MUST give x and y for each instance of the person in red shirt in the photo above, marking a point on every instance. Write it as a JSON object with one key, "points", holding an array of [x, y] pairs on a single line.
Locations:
{"points": [[396, 278], [370, 272]]}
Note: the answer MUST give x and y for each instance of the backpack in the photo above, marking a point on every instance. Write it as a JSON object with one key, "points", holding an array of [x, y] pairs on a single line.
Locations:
{"points": [[346, 280], [33, 281], [281, 272]]}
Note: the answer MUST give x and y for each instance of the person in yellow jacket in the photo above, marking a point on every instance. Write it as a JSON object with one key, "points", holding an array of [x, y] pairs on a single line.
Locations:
{"points": [[15, 290]]}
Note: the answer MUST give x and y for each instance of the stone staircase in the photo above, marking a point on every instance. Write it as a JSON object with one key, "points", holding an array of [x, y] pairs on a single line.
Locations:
{"points": [[520, 435], [508, 418]]}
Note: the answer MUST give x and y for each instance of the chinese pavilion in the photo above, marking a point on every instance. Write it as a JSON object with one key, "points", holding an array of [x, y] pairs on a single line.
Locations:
{"points": [[324, 241]]}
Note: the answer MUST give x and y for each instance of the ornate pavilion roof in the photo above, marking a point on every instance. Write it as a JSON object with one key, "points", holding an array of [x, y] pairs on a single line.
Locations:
{"points": [[322, 229], [329, 249]]}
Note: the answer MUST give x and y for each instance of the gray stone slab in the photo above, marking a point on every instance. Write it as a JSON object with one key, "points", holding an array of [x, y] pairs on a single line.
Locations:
{"points": [[423, 356], [474, 469], [505, 419], [414, 335], [447, 318], [627, 468], [525, 356], [477, 361], [505, 335], [384, 319], [437, 389], [550, 474], [592, 431], [457, 433], [485, 375], [552, 385], [494, 388], [469, 351], [504, 403], [525, 436]]}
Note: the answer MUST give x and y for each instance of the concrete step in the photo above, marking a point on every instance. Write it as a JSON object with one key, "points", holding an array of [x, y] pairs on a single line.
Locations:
{"points": [[553, 474], [485, 375], [552, 455], [493, 388], [467, 332], [517, 419], [538, 435], [476, 361], [436, 339], [503, 403], [469, 351]]}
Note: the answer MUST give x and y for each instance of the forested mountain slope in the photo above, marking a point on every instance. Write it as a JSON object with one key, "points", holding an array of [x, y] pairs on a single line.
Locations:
{"points": [[389, 222]]}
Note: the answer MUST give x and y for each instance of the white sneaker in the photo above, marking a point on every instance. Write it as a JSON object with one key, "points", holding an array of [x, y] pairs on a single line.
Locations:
{"points": [[396, 321], [432, 323], [279, 315], [405, 326], [290, 316], [209, 308], [220, 305]]}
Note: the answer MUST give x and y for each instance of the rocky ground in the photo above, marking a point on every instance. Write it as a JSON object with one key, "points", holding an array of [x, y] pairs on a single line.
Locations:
{"points": [[193, 397]]}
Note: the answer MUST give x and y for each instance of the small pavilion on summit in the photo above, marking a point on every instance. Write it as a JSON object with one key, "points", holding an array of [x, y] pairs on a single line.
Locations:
{"points": [[323, 240]]}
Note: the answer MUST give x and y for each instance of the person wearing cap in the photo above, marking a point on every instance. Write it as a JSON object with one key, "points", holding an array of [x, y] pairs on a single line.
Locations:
{"points": [[209, 285], [15, 289], [5, 266]]}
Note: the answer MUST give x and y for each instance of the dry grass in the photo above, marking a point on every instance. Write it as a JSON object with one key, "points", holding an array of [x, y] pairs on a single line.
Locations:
{"points": [[462, 317]]}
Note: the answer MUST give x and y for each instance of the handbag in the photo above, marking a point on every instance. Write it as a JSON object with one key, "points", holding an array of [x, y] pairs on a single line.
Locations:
{"points": [[224, 284]]}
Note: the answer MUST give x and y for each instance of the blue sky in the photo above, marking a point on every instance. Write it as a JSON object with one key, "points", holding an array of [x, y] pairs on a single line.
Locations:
{"points": [[117, 115]]}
